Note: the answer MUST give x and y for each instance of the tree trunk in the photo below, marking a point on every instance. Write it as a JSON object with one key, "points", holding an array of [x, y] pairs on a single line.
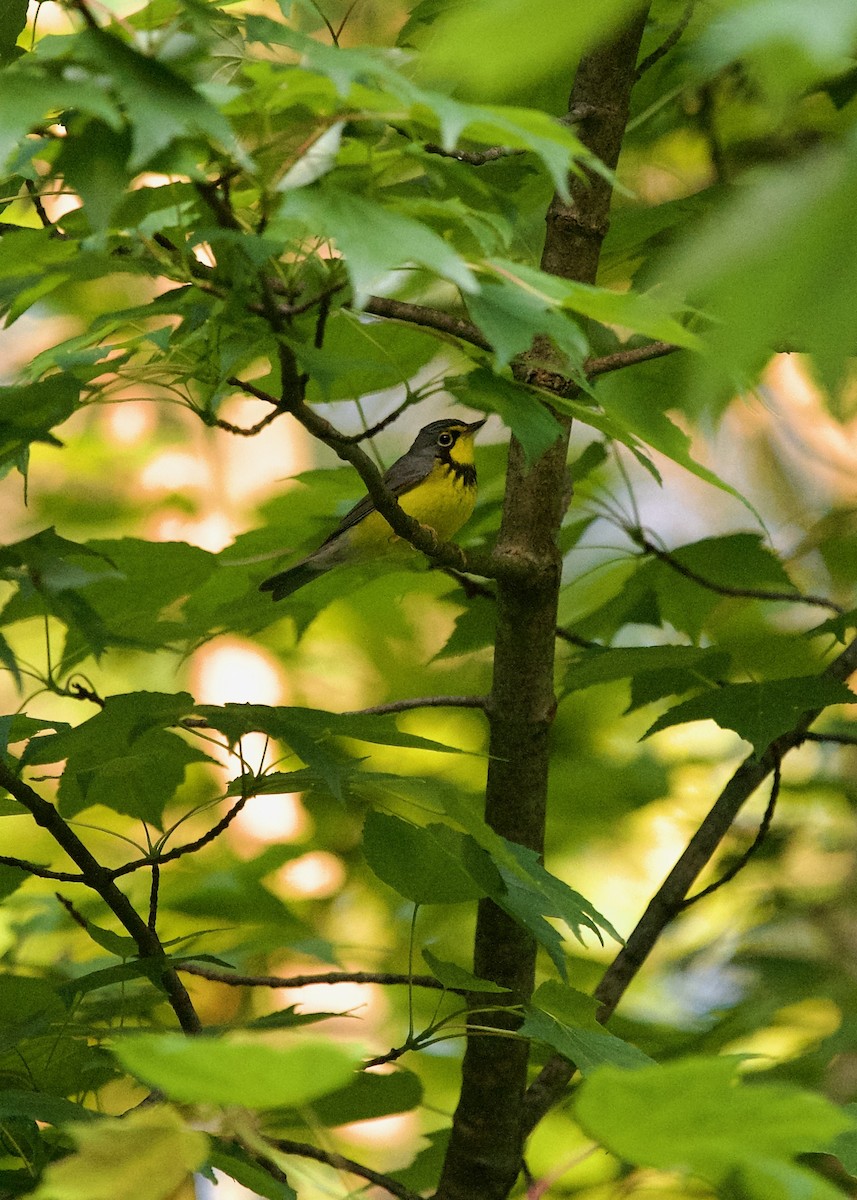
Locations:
{"points": [[486, 1147]]}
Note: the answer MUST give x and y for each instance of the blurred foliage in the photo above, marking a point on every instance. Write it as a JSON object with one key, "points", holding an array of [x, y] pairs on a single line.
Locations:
{"points": [[197, 198]]}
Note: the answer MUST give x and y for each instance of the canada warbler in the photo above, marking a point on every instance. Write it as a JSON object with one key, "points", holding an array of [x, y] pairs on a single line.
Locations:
{"points": [[434, 482]]}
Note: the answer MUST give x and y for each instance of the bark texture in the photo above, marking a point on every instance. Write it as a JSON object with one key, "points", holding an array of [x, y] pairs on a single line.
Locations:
{"points": [[486, 1147]]}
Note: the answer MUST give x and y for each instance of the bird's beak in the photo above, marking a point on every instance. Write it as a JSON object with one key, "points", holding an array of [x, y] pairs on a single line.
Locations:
{"points": [[476, 426]]}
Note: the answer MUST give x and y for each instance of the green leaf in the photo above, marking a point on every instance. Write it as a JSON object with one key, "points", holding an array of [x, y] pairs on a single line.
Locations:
{"points": [[361, 355], [690, 666], [13, 20], [114, 943], [428, 865], [39, 93], [9, 662], [695, 1115], [474, 629], [529, 419], [788, 49], [638, 400], [309, 732], [844, 1145], [143, 603], [11, 878], [161, 106], [735, 560], [233, 893], [250, 1071], [500, 28], [368, 1096], [289, 1018], [530, 892], [633, 310], [53, 1110], [374, 240], [605, 424], [146, 1154], [30, 412], [511, 317], [119, 973], [27, 1002], [123, 757], [758, 712], [235, 1162], [94, 162], [19, 727], [51, 564], [374, 80], [565, 1019], [423, 1173], [774, 267], [453, 976]]}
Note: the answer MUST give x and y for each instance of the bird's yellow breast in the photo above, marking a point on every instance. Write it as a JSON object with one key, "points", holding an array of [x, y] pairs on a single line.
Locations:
{"points": [[443, 501]]}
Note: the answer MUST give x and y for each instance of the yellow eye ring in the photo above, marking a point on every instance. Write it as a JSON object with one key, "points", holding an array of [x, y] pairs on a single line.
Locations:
{"points": [[445, 440]]}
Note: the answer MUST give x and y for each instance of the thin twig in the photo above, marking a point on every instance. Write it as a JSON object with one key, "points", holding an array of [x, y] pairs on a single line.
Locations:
{"points": [[252, 390], [253, 429], [723, 589], [99, 879], [340, 1163], [40, 872], [321, 320], [396, 706], [430, 318], [41, 211], [668, 43], [761, 834], [72, 912], [154, 891], [80, 691], [627, 358], [840, 739], [158, 860], [474, 158], [372, 430], [385, 978], [574, 639], [88, 19]]}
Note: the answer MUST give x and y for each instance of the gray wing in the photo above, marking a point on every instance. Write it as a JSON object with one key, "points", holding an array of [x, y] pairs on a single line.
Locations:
{"points": [[405, 473]]}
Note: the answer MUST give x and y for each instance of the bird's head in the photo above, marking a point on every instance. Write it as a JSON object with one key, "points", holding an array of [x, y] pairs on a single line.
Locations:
{"points": [[449, 440]]}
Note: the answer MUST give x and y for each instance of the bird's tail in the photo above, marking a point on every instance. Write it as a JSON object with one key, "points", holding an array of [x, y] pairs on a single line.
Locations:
{"points": [[289, 581]]}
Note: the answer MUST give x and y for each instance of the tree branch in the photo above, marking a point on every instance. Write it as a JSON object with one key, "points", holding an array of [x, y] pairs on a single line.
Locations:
{"points": [[670, 897], [474, 158], [725, 589], [837, 739], [99, 879], [385, 978], [668, 42], [39, 872], [340, 1163], [396, 706], [627, 358], [252, 430], [156, 861], [761, 834], [430, 318]]}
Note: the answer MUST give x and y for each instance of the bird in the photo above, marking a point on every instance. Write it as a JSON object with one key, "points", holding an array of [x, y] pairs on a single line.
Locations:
{"points": [[435, 482]]}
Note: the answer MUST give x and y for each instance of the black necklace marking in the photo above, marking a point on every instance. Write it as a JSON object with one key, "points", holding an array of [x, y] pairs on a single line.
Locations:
{"points": [[465, 473]]}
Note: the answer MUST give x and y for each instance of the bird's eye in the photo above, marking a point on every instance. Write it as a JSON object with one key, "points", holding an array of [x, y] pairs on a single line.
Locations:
{"points": [[445, 439]]}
